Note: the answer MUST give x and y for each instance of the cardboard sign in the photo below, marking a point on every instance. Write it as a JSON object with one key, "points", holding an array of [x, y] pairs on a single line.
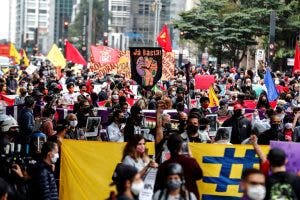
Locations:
{"points": [[203, 82]]}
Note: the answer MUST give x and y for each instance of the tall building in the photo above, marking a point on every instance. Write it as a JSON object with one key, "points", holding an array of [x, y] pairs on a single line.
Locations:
{"points": [[143, 20], [12, 21], [132, 22], [33, 24], [63, 14]]}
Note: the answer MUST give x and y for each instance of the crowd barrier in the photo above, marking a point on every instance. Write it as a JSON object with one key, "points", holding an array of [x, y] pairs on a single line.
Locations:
{"points": [[87, 168]]}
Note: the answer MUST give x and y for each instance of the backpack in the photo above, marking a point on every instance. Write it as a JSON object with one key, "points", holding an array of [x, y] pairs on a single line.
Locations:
{"points": [[283, 189]]}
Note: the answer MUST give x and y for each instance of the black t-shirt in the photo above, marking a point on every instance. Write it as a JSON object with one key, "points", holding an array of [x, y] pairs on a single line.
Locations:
{"points": [[283, 181]]}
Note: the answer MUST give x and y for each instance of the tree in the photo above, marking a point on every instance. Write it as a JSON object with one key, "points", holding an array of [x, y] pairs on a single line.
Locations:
{"points": [[230, 27], [76, 28]]}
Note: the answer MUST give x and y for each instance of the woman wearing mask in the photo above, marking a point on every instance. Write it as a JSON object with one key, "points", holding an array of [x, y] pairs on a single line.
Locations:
{"points": [[114, 102], [128, 182], [72, 131], [135, 155], [115, 130], [263, 102], [174, 185]]}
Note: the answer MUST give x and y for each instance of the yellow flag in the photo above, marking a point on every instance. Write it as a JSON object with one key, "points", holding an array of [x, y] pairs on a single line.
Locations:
{"points": [[14, 53], [25, 58], [56, 57], [213, 99]]}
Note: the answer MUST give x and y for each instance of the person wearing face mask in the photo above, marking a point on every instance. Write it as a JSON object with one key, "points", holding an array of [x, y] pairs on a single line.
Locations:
{"points": [[115, 130], [241, 126], [135, 155], [43, 179], [192, 130], [174, 185], [153, 102], [274, 133], [203, 110], [253, 185], [47, 122], [72, 131], [128, 182], [134, 123], [263, 102], [192, 172], [84, 112], [183, 117]]}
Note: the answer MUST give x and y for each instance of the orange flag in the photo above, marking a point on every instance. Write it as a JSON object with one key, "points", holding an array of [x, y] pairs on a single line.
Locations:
{"points": [[164, 39], [297, 59]]}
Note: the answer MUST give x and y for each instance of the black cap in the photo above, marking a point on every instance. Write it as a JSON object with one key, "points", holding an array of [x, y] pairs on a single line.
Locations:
{"points": [[123, 173]]}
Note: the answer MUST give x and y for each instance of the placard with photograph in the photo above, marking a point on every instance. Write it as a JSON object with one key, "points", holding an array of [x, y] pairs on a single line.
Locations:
{"points": [[213, 124], [92, 126]]}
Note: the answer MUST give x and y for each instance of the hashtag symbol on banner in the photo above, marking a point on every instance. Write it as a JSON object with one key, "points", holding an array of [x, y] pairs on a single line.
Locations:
{"points": [[227, 161]]}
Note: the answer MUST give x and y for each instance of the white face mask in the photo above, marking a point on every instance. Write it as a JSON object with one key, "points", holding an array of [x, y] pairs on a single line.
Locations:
{"points": [[55, 158], [173, 94], [115, 96], [136, 188], [73, 123], [256, 192]]}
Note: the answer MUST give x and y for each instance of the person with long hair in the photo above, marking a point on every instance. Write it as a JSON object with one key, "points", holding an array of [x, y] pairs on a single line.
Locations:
{"points": [[174, 185], [135, 154], [263, 102]]}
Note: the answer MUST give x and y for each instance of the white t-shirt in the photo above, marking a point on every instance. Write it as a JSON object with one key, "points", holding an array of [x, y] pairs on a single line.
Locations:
{"points": [[70, 99], [114, 133], [139, 164]]}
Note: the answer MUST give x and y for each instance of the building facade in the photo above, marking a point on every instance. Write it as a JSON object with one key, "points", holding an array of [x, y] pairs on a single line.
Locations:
{"points": [[33, 23], [63, 14]]}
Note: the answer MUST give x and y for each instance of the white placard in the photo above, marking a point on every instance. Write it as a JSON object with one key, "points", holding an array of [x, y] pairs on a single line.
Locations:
{"points": [[149, 182]]}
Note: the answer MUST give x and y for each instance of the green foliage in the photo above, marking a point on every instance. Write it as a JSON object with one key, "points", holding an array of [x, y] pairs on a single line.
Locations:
{"points": [[229, 27], [76, 28]]}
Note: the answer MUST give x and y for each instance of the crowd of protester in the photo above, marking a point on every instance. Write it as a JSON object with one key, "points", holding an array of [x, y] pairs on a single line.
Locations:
{"points": [[30, 144]]}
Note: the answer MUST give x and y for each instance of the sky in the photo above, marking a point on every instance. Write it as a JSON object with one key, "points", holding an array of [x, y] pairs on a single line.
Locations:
{"points": [[4, 19]]}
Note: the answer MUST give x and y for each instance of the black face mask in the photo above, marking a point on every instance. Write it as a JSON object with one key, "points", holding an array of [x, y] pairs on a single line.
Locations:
{"points": [[179, 99], [238, 113], [122, 120], [275, 127], [168, 126], [85, 110], [157, 98], [191, 129], [139, 119]]}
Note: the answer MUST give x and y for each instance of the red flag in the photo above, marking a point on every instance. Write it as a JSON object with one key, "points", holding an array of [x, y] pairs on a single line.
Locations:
{"points": [[72, 54], [164, 39], [104, 55], [297, 59]]}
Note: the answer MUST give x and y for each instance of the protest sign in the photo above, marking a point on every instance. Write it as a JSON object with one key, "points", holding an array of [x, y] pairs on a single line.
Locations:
{"points": [[203, 82], [292, 151], [146, 65], [149, 181], [213, 125], [168, 66], [92, 126], [87, 174]]}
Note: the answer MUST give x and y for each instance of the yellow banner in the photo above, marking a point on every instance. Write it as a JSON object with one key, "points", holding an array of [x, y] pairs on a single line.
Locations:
{"points": [[87, 168]]}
